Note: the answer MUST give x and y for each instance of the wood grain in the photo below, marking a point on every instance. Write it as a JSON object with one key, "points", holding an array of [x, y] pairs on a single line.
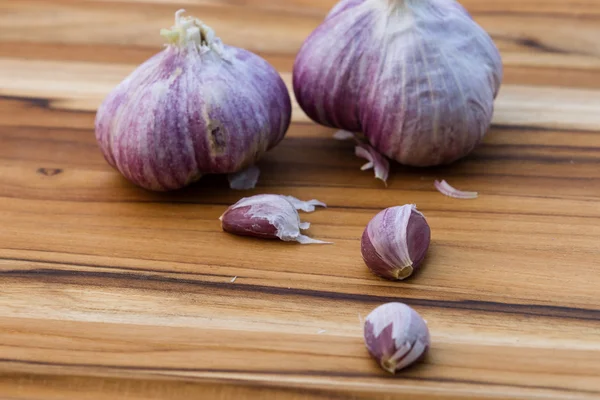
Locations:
{"points": [[109, 291]]}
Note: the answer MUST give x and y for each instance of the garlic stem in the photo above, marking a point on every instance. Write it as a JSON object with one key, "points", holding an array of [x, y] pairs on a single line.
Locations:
{"points": [[192, 31]]}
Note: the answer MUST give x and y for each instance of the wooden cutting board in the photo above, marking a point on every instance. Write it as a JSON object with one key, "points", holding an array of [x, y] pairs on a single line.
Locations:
{"points": [[111, 292]]}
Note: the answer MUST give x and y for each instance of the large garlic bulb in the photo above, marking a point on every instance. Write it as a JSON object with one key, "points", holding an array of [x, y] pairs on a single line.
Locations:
{"points": [[417, 77], [198, 107]]}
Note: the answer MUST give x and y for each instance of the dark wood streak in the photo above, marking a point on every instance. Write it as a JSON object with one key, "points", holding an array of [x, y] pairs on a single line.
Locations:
{"points": [[131, 280], [537, 45], [510, 146], [196, 9], [141, 270], [40, 102], [478, 157], [309, 373], [137, 270], [49, 171], [519, 128], [534, 44], [43, 103], [159, 381]]}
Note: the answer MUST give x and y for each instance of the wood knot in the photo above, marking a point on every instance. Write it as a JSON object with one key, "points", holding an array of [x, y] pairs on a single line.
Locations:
{"points": [[49, 171]]}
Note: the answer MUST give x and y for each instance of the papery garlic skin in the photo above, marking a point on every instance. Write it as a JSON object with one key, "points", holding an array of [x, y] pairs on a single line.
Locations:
{"points": [[198, 107], [444, 188], [395, 242], [270, 216], [396, 336], [417, 77]]}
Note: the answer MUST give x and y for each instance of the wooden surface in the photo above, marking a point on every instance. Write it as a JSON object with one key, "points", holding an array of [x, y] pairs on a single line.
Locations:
{"points": [[108, 291]]}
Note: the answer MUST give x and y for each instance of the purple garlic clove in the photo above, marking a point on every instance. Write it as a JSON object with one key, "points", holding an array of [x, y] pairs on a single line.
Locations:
{"points": [[270, 216], [396, 336], [198, 107], [395, 242], [417, 78]]}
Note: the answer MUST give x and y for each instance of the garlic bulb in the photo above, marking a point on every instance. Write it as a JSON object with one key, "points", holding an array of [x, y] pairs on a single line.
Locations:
{"points": [[395, 242], [396, 336], [270, 216], [198, 107], [417, 77]]}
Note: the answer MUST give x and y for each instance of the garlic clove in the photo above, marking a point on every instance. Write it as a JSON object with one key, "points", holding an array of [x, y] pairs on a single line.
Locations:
{"points": [[396, 336], [269, 216], [244, 180], [417, 78], [395, 242]]}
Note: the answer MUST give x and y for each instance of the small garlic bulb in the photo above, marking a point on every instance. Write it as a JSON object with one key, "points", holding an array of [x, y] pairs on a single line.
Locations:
{"points": [[198, 107], [395, 242], [417, 77], [396, 336], [270, 216]]}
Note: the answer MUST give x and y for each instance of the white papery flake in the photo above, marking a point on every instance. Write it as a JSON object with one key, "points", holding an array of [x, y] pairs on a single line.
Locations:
{"points": [[376, 161], [444, 188], [344, 135], [244, 180]]}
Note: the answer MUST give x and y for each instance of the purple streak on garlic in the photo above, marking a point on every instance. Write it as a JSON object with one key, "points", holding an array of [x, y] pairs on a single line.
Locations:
{"points": [[396, 336], [270, 216], [198, 107], [395, 242], [418, 78]]}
